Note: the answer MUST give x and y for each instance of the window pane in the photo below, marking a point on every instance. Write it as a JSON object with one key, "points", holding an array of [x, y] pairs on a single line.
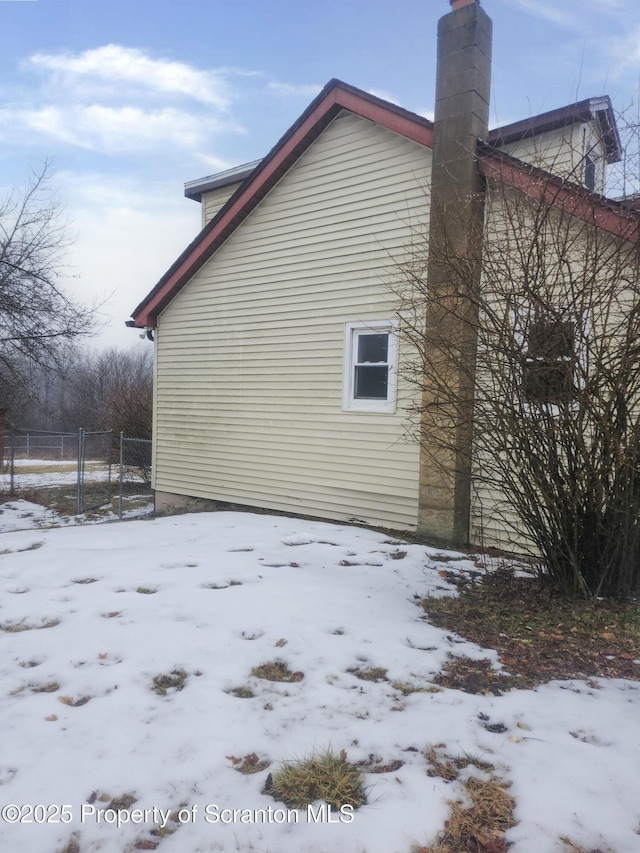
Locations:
{"points": [[551, 338], [371, 382], [589, 173], [373, 348], [548, 366], [548, 381]]}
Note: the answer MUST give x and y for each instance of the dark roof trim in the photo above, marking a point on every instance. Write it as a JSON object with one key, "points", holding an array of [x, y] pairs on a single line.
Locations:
{"points": [[599, 109], [239, 174], [606, 214], [335, 97]]}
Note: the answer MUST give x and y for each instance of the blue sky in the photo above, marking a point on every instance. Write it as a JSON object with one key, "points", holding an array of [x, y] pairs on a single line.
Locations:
{"points": [[131, 98]]}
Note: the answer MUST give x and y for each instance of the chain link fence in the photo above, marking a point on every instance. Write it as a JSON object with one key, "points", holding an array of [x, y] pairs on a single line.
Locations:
{"points": [[78, 473], [134, 476]]}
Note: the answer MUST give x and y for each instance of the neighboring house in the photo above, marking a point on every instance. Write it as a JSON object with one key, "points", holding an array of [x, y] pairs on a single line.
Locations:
{"points": [[277, 367]]}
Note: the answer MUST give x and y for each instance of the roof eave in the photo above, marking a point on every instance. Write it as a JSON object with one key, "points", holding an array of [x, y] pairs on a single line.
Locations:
{"points": [[196, 189], [335, 97], [592, 208], [599, 109]]}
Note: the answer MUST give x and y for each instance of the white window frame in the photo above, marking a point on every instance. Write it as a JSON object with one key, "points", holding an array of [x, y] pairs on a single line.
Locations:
{"points": [[352, 333]]}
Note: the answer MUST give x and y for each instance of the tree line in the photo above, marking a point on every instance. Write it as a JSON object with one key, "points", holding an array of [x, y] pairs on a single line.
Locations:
{"points": [[47, 379], [111, 389]]}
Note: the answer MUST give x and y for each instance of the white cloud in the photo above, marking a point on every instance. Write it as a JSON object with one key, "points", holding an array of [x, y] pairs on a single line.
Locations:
{"points": [[305, 90], [121, 100], [386, 96], [572, 14], [624, 51], [547, 11], [426, 113], [115, 130], [115, 64], [127, 236]]}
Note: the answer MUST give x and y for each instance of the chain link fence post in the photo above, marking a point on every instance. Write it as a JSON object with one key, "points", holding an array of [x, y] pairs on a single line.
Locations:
{"points": [[121, 476], [80, 469], [12, 465]]}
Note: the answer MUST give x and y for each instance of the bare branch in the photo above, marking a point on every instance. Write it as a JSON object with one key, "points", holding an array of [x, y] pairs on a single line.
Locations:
{"points": [[36, 315]]}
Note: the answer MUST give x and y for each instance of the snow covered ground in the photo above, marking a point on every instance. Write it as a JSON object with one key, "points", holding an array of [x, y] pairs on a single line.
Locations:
{"points": [[92, 614], [19, 514], [44, 473]]}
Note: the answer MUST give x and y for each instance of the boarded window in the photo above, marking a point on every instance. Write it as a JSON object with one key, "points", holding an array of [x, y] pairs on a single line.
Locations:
{"points": [[548, 366]]}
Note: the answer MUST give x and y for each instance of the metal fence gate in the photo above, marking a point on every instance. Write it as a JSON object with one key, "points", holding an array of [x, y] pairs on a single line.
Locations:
{"points": [[75, 473], [134, 477], [94, 469]]}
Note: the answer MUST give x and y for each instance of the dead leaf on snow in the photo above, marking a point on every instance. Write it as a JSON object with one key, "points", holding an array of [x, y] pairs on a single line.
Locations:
{"points": [[74, 703]]}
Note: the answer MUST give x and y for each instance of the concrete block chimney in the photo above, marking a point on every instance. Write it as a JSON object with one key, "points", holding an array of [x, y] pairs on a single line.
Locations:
{"points": [[455, 247]]}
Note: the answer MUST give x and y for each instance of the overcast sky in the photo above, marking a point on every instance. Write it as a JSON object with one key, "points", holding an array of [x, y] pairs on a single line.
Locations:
{"points": [[131, 98]]}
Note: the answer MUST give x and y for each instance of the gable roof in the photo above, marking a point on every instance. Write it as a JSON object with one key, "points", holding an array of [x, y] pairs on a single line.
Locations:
{"points": [[260, 177], [591, 109], [335, 97]]}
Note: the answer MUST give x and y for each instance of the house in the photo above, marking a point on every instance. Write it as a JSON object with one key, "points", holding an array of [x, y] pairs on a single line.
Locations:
{"points": [[278, 369]]}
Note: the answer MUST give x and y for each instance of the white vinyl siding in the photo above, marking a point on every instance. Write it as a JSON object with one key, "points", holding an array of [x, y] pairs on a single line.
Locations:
{"points": [[558, 151], [215, 200], [251, 352]]}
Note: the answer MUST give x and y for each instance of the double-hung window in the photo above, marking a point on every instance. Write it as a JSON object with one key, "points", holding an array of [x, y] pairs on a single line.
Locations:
{"points": [[550, 358], [370, 367]]}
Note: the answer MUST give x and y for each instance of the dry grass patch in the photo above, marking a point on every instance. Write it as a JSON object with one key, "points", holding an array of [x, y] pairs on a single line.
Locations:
{"points": [[50, 687], [448, 767], [276, 670], [480, 824], [175, 680], [243, 692], [74, 703], [372, 673], [18, 627], [123, 802], [539, 634], [406, 688], [146, 590], [374, 764], [325, 777], [59, 498]]}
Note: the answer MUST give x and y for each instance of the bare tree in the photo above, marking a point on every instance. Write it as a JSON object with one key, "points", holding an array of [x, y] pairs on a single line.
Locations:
{"points": [[36, 315], [112, 389], [550, 390]]}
